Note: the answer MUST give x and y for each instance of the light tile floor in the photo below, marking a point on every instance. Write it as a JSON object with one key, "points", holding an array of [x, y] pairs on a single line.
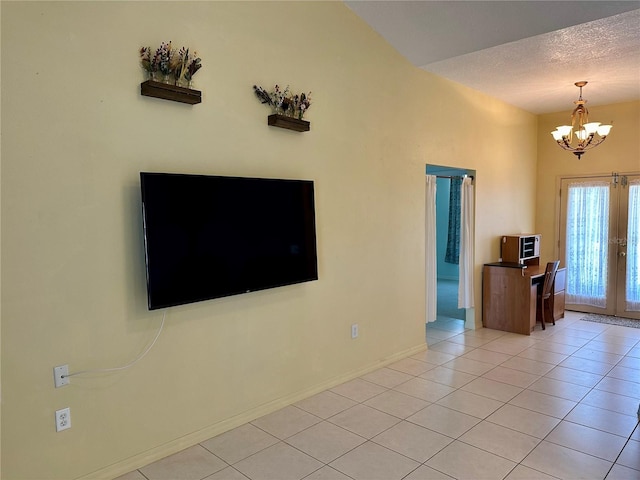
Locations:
{"points": [[485, 404]]}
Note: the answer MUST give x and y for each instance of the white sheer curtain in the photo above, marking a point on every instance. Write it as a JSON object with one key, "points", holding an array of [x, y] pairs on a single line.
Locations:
{"points": [[431, 259], [587, 243], [633, 249], [465, 282]]}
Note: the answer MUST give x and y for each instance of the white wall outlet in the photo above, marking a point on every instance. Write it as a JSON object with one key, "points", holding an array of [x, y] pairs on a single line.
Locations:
{"points": [[63, 419], [354, 330], [61, 375]]}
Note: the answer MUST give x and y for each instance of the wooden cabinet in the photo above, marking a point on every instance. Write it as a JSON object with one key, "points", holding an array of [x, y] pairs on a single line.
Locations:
{"points": [[510, 287], [523, 249], [508, 299], [509, 296]]}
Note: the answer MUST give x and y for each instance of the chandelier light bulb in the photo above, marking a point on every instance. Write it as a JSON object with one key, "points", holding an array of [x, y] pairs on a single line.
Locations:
{"points": [[557, 136], [591, 127], [582, 135], [603, 130]]}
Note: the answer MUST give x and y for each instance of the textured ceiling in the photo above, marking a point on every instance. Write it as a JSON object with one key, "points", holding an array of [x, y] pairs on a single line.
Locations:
{"points": [[526, 53]]}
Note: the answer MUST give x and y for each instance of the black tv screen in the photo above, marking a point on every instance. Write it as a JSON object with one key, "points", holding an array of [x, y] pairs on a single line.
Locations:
{"points": [[207, 236]]}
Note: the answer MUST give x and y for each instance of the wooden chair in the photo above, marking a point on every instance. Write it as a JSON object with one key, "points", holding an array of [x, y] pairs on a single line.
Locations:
{"points": [[544, 305]]}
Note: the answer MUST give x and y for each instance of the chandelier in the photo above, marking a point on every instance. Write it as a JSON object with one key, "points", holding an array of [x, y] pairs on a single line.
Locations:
{"points": [[585, 131]]}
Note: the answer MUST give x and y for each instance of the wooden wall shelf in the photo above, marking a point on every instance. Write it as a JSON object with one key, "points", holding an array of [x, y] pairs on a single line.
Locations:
{"points": [[289, 123], [170, 92]]}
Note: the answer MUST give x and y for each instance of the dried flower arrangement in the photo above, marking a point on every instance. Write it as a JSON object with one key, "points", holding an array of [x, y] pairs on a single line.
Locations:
{"points": [[283, 102], [181, 65]]}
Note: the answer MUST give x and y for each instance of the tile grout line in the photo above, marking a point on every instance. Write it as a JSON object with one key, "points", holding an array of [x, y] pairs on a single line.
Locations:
{"points": [[597, 333], [576, 403]]}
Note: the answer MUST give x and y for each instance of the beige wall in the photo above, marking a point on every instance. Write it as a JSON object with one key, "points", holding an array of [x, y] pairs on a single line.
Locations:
{"points": [[619, 153], [75, 135]]}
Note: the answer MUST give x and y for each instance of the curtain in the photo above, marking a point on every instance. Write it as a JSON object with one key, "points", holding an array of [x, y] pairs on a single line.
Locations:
{"points": [[431, 259], [453, 234], [587, 243], [633, 249], [465, 281]]}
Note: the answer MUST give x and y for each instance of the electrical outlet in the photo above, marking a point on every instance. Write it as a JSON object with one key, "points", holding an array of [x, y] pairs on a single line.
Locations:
{"points": [[61, 375], [354, 330], [63, 419]]}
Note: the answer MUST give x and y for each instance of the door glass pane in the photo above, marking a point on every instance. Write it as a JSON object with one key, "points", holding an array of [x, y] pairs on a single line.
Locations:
{"points": [[633, 249], [587, 244]]}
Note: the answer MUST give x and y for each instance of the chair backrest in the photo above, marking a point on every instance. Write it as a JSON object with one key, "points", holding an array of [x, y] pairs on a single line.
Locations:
{"points": [[549, 278]]}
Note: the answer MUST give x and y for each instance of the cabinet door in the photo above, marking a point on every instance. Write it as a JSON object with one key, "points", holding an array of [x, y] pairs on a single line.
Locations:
{"points": [[558, 293], [510, 249], [558, 305], [509, 301], [560, 281]]}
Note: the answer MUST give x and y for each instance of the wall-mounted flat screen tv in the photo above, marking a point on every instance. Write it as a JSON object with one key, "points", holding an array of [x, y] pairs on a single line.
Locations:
{"points": [[208, 236]]}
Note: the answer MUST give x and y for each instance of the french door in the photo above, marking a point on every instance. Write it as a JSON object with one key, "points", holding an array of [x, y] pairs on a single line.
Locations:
{"points": [[600, 244]]}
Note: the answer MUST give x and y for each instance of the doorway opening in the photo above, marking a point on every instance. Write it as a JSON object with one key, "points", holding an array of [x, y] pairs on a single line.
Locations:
{"points": [[450, 320]]}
